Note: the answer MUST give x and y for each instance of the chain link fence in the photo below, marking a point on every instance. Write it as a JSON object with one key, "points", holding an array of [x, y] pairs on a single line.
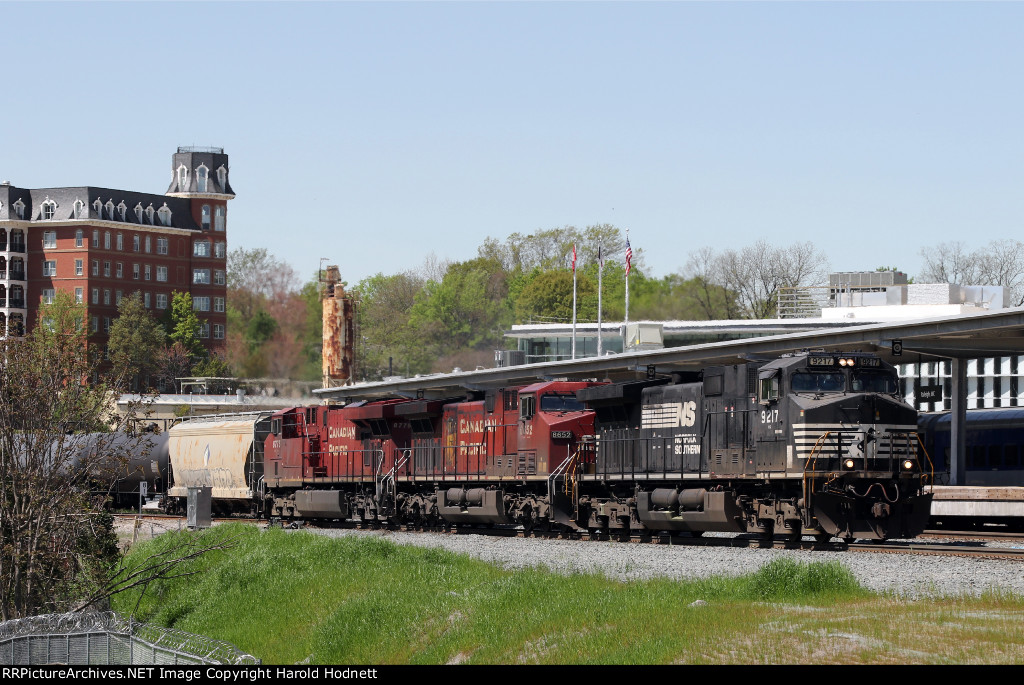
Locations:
{"points": [[106, 638]]}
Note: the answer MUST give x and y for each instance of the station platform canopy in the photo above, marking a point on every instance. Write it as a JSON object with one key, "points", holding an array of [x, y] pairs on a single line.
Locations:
{"points": [[959, 337]]}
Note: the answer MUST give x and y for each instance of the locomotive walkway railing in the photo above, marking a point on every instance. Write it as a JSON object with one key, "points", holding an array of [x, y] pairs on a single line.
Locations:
{"points": [[87, 639]]}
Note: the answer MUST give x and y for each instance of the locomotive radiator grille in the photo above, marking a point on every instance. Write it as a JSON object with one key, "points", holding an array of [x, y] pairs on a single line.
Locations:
{"points": [[890, 441]]}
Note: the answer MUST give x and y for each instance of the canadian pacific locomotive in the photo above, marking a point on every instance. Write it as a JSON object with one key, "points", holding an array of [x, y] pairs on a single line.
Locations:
{"points": [[812, 443]]}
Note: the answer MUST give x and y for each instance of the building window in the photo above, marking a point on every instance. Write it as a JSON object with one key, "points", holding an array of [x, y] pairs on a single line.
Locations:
{"points": [[149, 274], [106, 269], [161, 274], [218, 277], [218, 218], [79, 238], [106, 324], [182, 179], [145, 300], [98, 206], [202, 173], [95, 267], [218, 331], [95, 238], [138, 212], [78, 267], [204, 330], [161, 245], [201, 248], [117, 298], [106, 240], [201, 304], [149, 214], [50, 267], [78, 208], [161, 301], [149, 245], [165, 215], [201, 277], [95, 295], [49, 239], [110, 209], [220, 250], [78, 295], [218, 304], [120, 270], [95, 324], [120, 241], [106, 296], [205, 222], [222, 178], [135, 271], [49, 209], [19, 208], [48, 294], [122, 209]]}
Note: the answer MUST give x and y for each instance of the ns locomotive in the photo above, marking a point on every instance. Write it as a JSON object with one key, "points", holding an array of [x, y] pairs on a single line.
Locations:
{"points": [[812, 443]]}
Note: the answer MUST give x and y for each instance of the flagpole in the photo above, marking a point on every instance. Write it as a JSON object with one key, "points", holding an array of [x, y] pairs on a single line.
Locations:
{"points": [[600, 270], [574, 300], [629, 256]]}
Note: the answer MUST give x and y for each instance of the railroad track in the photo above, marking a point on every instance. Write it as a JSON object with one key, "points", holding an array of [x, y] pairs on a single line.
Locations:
{"points": [[966, 544]]}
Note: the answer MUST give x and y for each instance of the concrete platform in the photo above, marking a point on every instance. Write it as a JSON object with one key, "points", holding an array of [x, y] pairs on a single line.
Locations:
{"points": [[978, 502]]}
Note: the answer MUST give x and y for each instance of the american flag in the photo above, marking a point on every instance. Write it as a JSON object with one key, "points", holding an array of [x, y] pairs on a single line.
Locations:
{"points": [[629, 256], [574, 257]]}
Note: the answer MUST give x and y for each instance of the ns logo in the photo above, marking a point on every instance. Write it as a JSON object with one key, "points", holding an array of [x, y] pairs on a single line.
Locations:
{"points": [[688, 415]]}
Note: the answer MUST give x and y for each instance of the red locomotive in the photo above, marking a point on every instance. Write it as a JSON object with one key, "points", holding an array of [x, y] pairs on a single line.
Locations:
{"points": [[426, 461]]}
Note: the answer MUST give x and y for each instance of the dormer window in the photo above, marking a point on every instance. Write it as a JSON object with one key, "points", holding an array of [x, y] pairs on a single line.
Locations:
{"points": [[138, 212], [202, 173], [122, 209], [19, 208], [98, 206], [49, 209], [79, 208], [222, 178], [110, 209], [165, 215], [183, 179], [149, 213]]}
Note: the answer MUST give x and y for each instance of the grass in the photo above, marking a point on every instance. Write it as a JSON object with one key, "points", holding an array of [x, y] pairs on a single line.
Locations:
{"points": [[298, 597]]}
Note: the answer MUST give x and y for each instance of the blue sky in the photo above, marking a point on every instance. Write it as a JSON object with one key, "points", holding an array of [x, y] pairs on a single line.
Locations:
{"points": [[375, 133]]}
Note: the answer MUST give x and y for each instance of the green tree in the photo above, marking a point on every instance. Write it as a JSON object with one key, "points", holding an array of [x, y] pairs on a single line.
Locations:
{"points": [[57, 548], [185, 325], [136, 340]]}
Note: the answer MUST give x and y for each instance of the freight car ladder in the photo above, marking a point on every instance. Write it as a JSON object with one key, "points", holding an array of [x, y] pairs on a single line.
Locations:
{"points": [[386, 482]]}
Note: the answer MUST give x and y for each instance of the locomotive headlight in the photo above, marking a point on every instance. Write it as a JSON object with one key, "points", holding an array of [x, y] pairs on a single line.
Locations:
{"points": [[848, 464], [908, 465]]}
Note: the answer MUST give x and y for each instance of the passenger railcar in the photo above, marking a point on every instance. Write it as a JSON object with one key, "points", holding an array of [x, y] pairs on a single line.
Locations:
{"points": [[995, 446]]}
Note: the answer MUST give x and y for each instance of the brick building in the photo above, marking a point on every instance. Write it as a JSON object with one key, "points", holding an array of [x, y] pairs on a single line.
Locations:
{"points": [[100, 245]]}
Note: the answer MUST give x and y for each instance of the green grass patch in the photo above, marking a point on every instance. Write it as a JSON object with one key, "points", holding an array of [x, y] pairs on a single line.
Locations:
{"points": [[298, 597]]}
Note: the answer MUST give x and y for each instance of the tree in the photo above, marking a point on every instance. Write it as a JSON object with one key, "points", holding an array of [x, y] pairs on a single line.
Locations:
{"points": [[56, 546], [754, 275], [1001, 262], [185, 325], [136, 340]]}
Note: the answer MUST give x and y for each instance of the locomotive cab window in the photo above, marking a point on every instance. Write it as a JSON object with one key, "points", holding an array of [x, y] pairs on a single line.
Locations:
{"points": [[769, 388], [560, 403], [818, 381], [874, 381], [275, 426], [527, 404]]}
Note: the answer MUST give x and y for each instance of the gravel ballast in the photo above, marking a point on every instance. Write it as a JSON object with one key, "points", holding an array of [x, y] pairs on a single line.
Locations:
{"points": [[905, 575]]}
